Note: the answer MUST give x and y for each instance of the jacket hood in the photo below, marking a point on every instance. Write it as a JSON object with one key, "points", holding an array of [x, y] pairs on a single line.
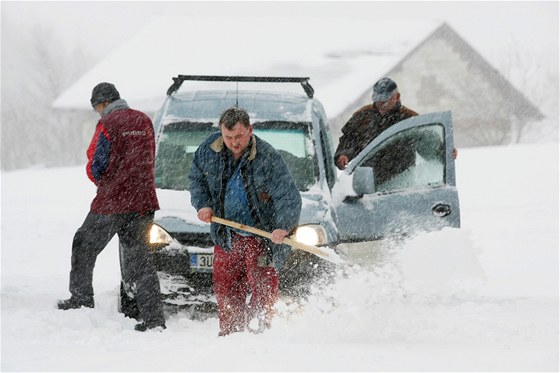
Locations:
{"points": [[115, 105]]}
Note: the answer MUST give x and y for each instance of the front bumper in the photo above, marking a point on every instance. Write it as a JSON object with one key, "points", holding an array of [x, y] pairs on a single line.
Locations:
{"points": [[179, 259]]}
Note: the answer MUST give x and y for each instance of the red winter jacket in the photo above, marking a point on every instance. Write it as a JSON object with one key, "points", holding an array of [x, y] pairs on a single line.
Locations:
{"points": [[121, 162]]}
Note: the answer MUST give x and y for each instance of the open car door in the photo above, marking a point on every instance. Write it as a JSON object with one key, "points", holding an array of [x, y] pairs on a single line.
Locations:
{"points": [[403, 182]]}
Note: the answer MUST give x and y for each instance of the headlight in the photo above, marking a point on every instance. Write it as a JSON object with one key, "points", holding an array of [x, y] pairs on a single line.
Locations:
{"points": [[311, 235], [158, 236]]}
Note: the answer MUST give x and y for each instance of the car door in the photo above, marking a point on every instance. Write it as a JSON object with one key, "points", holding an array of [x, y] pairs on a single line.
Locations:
{"points": [[403, 182]]}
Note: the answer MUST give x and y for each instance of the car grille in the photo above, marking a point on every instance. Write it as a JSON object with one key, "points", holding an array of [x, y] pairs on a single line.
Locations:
{"points": [[194, 239]]}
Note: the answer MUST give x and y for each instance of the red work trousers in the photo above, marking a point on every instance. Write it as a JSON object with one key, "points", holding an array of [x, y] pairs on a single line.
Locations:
{"points": [[235, 272]]}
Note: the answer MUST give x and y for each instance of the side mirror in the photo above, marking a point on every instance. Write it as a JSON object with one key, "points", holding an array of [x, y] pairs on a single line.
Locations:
{"points": [[363, 180]]}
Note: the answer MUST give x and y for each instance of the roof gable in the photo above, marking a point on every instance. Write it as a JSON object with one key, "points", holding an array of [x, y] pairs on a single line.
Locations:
{"points": [[521, 107], [443, 72], [338, 55]]}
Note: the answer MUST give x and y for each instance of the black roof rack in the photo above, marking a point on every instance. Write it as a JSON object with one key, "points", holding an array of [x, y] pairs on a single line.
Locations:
{"points": [[178, 81]]}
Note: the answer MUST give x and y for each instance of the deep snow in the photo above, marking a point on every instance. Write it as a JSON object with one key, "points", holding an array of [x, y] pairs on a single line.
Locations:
{"points": [[484, 297]]}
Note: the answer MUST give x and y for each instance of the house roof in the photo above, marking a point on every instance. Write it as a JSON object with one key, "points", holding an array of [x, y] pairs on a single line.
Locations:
{"points": [[519, 104], [339, 56]]}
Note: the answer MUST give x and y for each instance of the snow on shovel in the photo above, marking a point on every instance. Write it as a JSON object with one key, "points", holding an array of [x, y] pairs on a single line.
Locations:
{"points": [[321, 252]]}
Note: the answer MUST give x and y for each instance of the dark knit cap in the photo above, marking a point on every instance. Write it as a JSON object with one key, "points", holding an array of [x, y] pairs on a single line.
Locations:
{"points": [[104, 92], [383, 89]]}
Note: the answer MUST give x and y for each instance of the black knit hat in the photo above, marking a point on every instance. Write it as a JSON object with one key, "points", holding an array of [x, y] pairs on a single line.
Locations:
{"points": [[104, 92]]}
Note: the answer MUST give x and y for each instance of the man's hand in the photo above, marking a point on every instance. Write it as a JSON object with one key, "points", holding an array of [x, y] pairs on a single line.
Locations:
{"points": [[278, 235], [205, 214], [342, 161]]}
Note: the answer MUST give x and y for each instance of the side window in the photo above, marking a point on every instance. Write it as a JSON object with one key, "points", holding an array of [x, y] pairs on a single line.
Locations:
{"points": [[327, 157], [412, 158]]}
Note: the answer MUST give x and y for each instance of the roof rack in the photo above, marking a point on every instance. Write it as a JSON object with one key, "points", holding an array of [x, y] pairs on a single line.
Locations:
{"points": [[178, 81]]}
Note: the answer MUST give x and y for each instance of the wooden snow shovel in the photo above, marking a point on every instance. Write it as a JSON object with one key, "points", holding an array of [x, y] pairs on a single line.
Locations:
{"points": [[321, 252]]}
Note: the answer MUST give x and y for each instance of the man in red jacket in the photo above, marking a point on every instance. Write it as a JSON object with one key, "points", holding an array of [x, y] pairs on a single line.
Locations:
{"points": [[121, 164]]}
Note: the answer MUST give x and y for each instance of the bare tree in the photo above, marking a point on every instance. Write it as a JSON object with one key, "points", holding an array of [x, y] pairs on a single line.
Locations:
{"points": [[36, 68], [537, 79]]}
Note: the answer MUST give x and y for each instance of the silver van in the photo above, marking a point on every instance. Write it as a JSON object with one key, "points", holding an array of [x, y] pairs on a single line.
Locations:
{"points": [[353, 212]]}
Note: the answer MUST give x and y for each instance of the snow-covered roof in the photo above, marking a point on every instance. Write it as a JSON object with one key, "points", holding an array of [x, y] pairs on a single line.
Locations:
{"points": [[341, 57], [205, 106]]}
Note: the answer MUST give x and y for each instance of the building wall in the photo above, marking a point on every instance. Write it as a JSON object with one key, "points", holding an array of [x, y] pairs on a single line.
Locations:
{"points": [[438, 78]]}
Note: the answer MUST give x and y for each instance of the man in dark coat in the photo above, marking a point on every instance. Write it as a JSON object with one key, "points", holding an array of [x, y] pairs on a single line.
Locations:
{"points": [[370, 121], [121, 164], [238, 176]]}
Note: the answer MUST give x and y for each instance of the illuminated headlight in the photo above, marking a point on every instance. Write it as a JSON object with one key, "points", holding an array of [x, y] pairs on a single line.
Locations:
{"points": [[311, 235], [158, 236]]}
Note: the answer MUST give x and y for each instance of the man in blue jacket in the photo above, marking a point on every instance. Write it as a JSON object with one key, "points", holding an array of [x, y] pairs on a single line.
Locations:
{"points": [[237, 176]]}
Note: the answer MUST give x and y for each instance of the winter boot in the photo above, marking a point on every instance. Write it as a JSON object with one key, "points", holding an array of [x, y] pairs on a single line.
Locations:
{"points": [[142, 327], [74, 303]]}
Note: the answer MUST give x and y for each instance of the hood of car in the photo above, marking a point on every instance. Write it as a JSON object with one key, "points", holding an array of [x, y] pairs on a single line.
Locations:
{"points": [[314, 208], [176, 214]]}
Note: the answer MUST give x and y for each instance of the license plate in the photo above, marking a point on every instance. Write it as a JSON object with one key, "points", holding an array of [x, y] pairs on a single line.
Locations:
{"points": [[202, 262]]}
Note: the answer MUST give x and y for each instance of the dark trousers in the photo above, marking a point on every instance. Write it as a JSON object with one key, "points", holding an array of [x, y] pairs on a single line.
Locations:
{"points": [[138, 269]]}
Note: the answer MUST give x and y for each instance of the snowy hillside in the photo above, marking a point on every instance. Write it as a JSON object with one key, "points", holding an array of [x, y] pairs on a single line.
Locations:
{"points": [[484, 297]]}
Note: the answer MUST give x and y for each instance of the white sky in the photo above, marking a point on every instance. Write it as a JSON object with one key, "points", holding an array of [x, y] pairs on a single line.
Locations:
{"points": [[493, 28]]}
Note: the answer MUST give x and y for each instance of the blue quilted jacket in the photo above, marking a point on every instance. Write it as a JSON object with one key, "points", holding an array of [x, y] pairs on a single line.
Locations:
{"points": [[272, 193]]}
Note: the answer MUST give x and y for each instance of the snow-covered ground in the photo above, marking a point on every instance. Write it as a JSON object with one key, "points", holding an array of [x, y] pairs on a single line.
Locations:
{"points": [[484, 297]]}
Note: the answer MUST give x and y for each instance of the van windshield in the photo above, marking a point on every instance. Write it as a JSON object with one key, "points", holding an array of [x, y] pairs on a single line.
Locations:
{"points": [[178, 142]]}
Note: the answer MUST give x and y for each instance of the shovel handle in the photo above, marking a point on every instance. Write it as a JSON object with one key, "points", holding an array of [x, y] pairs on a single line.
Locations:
{"points": [[293, 243]]}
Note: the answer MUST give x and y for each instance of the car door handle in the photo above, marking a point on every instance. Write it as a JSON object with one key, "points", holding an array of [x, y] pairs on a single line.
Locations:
{"points": [[441, 210]]}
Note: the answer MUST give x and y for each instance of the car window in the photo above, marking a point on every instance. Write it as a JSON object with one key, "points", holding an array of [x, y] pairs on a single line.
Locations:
{"points": [[291, 141], [178, 142], [292, 144], [326, 145], [411, 158], [175, 151]]}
